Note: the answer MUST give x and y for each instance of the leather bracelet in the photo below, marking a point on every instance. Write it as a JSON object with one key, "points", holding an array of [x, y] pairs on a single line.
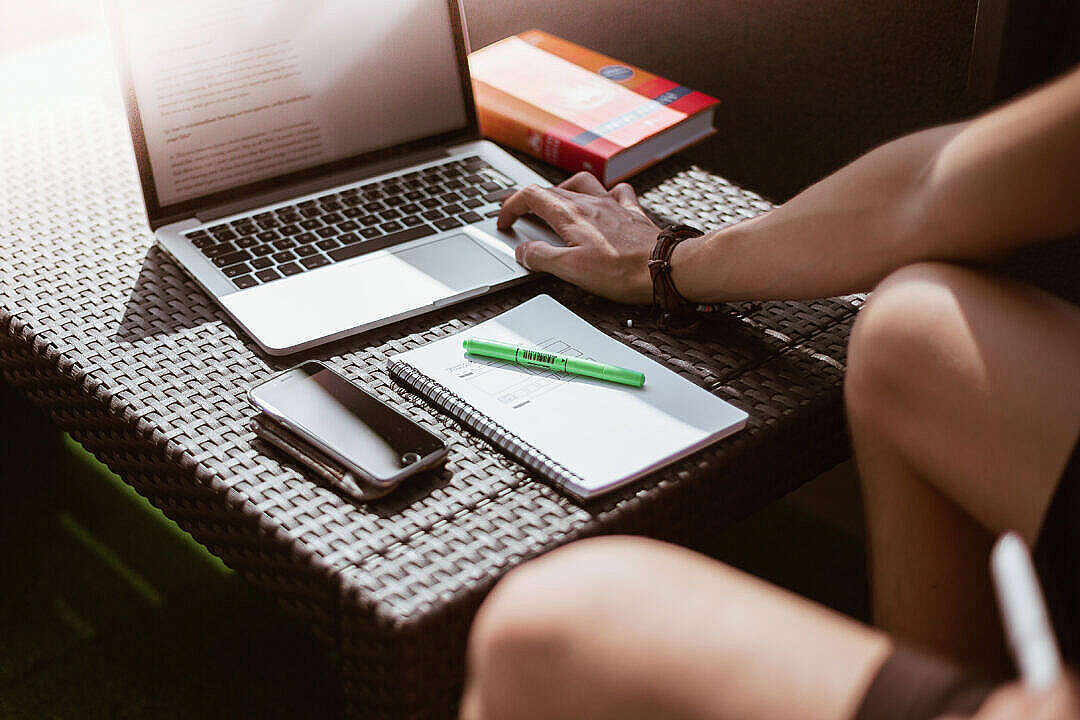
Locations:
{"points": [[671, 302]]}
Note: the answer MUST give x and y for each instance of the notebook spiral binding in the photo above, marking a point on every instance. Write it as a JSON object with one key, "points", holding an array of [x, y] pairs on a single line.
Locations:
{"points": [[499, 437]]}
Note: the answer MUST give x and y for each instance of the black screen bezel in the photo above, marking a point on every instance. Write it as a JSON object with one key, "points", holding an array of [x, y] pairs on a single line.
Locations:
{"points": [[159, 215]]}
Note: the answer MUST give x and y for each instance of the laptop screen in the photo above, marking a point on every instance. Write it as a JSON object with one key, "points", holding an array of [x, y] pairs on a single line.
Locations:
{"points": [[234, 95]]}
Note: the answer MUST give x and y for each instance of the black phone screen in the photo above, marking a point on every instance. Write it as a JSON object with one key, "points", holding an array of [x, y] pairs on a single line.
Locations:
{"points": [[325, 407]]}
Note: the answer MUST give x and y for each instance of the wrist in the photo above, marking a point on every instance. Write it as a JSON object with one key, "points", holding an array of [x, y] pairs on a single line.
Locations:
{"points": [[687, 263]]}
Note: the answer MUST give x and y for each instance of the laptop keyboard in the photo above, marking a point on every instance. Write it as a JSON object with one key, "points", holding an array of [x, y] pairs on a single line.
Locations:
{"points": [[339, 226]]}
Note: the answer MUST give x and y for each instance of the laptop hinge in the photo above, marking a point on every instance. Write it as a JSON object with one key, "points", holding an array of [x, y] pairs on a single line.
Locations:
{"points": [[326, 181]]}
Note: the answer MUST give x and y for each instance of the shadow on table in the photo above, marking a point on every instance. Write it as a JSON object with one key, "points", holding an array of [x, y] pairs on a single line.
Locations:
{"points": [[163, 300]]}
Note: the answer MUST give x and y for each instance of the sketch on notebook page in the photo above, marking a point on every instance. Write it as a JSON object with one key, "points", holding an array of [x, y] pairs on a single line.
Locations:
{"points": [[515, 385]]}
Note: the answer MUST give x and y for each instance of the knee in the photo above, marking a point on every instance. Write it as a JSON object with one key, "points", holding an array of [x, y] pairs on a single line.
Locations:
{"points": [[900, 345], [523, 643]]}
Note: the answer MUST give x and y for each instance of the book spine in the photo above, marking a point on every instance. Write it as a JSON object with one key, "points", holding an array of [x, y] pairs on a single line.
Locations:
{"points": [[528, 129], [499, 437]]}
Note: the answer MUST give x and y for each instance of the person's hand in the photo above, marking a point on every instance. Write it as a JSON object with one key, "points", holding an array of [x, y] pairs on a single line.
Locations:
{"points": [[608, 237], [1016, 702]]}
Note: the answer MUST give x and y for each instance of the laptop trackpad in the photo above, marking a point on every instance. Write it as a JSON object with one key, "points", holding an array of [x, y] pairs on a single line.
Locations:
{"points": [[457, 262]]}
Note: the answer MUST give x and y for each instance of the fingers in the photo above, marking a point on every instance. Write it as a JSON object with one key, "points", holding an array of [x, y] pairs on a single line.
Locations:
{"points": [[625, 196], [551, 208], [542, 256], [584, 182]]}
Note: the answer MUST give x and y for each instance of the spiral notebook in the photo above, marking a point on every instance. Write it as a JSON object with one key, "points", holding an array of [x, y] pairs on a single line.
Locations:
{"points": [[585, 436]]}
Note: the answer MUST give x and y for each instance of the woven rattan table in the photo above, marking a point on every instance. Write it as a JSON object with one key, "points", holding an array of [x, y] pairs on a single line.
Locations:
{"points": [[127, 355]]}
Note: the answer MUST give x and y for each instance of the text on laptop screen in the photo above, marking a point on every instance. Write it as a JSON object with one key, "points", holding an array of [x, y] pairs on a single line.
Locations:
{"points": [[236, 91]]}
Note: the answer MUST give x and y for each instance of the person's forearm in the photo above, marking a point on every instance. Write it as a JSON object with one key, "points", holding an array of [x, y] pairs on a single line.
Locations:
{"points": [[840, 235], [960, 192]]}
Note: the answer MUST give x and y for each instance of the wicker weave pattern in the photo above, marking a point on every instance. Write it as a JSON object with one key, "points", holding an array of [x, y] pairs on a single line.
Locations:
{"points": [[103, 331]]}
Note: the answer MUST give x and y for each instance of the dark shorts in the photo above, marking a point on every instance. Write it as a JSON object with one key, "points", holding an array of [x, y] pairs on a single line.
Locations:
{"points": [[914, 686]]}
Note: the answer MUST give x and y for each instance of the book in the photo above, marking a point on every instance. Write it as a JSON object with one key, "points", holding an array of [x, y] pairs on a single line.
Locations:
{"points": [[580, 110], [586, 437]]}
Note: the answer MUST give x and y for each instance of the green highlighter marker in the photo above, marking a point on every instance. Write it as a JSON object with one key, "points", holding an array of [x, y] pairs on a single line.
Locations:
{"points": [[551, 361]]}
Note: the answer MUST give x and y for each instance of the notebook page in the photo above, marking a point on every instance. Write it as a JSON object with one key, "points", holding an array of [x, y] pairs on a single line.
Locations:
{"points": [[603, 432]]}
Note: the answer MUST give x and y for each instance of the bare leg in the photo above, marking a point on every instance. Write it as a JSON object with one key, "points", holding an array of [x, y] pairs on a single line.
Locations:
{"points": [[963, 394], [629, 628]]}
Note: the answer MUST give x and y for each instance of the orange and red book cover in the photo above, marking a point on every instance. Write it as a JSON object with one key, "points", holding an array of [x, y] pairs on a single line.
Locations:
{"points": [[575, 108]]}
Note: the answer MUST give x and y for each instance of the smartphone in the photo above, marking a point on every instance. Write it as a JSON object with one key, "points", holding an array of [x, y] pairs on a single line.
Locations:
{"points": [[367, 437]]}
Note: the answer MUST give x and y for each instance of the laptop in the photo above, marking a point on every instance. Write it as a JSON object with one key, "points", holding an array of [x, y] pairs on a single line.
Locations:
{"points": [[316, 165]]}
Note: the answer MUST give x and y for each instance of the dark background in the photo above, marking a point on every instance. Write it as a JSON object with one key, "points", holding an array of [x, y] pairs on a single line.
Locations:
{"points": [[806, 85]]}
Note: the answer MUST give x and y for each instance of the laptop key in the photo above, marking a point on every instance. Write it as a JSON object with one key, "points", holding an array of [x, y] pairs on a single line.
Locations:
{"points": [[452, 209], [370, 232], [351, 251], [333, 218], [374, 206], [352, 212], [236, 270], [348, 226], [204, 241], [390, 214], [314, 261], [310, 212], [284, 256], [245, 281], [472, 203], [412, 220], [306, 251], [268, 235], [392, 226], [368, 220], [247, 242], [328, 244], [433, 214], [430, 202], [350, 238], [469, 191], [284, 244], [499, 195], [219, 249], [447, 223], [455, 184], [291, 230], [325, 232], [232, 258], [311, 223], [492, 213], [470, 217], [290, 269], [449, 198], [268, 275], [332, 206], [261, 263], [306, 238], [395, 200], [414, 195], [262, 250]]}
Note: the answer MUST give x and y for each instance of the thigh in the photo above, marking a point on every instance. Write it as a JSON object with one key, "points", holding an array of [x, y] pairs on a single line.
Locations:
{"points": [[986, 404], [628, 628]]}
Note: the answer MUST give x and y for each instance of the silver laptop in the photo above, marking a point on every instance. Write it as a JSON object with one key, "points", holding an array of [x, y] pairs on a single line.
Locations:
{"points": [[316, 165]]}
